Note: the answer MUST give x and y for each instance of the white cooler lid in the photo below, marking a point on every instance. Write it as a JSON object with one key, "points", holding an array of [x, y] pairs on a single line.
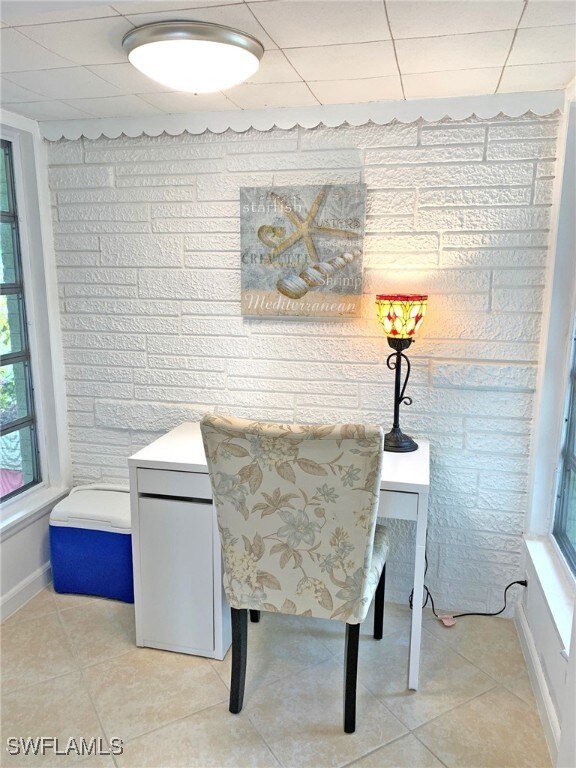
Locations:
{"points": [[99, 509]]}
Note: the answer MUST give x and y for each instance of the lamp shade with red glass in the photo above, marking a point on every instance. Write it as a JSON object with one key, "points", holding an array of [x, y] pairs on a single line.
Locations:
{"points": [[401, 315]]}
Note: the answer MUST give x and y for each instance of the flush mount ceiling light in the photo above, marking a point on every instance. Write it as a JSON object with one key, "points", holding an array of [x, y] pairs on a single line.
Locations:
{"points": [[193, 56]]}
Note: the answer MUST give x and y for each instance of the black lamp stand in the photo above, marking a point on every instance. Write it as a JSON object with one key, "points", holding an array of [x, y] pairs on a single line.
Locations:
{"points": [[396, 441]]}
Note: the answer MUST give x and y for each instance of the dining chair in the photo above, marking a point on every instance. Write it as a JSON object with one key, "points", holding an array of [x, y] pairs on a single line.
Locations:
{"points": [[296, 508]]}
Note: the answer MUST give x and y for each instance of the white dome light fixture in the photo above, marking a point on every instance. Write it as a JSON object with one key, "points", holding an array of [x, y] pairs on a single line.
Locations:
{"points": [[194, 56]]}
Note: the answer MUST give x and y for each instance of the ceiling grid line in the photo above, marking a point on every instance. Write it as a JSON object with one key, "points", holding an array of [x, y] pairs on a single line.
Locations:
{"points": [[511, 45], [395, 51]]}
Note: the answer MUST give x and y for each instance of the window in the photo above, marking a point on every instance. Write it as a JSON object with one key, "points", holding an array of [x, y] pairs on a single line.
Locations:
{"points": [[564, 529], [34, 454], [19, 459]]}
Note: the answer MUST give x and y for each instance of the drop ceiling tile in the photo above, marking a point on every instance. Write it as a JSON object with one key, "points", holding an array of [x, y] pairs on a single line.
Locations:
{"points": [[178, 102], [114, 106], [322, 22], [16, 12], [69, 83], [129, 7], [237, 16], [275, 68], [335, 62], [127, 78], [549, 13], [431, 18], [47, 110], [19, 53], [439, 54], [537, 77], [356, 91], [342, 47], [544, 45], [13, 93], [98, 41], [463, 82], [277, 95]]}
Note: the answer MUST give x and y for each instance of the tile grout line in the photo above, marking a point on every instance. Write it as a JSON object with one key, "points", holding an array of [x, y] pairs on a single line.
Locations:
{"points": [[430, 750], [83, 683], [483, 671], [198, 712]]}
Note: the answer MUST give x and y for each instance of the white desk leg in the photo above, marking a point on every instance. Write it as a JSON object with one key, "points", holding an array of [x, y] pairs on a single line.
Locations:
{"points": [[417, 600], [135, 525]]}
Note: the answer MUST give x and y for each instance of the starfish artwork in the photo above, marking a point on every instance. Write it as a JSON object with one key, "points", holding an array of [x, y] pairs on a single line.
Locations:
{"points": [[301, 250], [305, 227]]}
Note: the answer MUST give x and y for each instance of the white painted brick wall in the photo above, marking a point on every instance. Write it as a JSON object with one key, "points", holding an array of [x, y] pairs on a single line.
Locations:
{"points": [[147, 243]]}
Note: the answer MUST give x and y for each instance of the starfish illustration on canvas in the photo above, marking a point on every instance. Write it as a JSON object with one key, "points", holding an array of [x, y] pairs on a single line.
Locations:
{"points": [[305, 227]]}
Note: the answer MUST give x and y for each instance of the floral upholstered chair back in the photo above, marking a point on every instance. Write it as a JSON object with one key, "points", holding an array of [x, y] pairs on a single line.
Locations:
{"points": [[296, 509]]}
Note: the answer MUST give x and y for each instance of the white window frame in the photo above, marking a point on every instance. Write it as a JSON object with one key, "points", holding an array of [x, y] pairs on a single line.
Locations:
{"points": [[569, 425], [39, 274]]}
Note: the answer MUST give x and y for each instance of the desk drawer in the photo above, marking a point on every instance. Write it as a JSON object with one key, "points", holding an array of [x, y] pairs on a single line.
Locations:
{"points": [[168, 482], [399, 505]]}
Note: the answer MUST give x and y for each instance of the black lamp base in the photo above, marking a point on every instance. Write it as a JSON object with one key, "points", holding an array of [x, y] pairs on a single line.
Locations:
{"points": [[397, 442]]}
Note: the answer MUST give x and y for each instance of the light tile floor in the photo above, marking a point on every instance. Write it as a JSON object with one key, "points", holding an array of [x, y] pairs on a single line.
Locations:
{"points": [[70, 669]]}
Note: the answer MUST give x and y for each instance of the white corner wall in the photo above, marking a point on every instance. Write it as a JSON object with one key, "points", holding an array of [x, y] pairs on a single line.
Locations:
{"points": [[147, 246], [546, 616], [25, 564]]}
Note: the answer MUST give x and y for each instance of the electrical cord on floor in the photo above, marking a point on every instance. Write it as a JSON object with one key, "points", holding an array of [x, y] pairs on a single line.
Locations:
{"points": [[449, 620]]}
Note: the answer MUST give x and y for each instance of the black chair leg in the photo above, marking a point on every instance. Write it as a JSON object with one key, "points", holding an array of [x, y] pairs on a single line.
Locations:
{"points": [[254, 616], [379, 605], [350, 676], [239, 651]]}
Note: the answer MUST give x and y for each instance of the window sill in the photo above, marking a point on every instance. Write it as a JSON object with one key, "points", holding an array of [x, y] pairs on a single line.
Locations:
{"points": [[20, 512], [557, 583]]}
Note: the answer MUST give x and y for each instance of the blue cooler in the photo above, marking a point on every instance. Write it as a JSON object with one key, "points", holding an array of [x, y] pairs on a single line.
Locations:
{"points": [[91, 543]]}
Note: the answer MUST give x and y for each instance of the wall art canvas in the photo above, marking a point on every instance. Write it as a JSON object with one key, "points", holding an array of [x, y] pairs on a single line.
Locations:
{"points": [[301, 250]]}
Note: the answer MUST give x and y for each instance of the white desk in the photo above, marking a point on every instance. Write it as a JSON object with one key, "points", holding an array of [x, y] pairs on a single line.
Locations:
{"points": [[169, 483]]}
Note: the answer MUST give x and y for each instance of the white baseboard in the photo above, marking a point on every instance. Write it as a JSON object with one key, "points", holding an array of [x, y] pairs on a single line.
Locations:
{"points": [[25, 590], [544, 702]]}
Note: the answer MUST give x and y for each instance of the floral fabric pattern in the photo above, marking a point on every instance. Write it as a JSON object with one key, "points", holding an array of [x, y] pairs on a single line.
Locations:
{"points": [[296, 508]]}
